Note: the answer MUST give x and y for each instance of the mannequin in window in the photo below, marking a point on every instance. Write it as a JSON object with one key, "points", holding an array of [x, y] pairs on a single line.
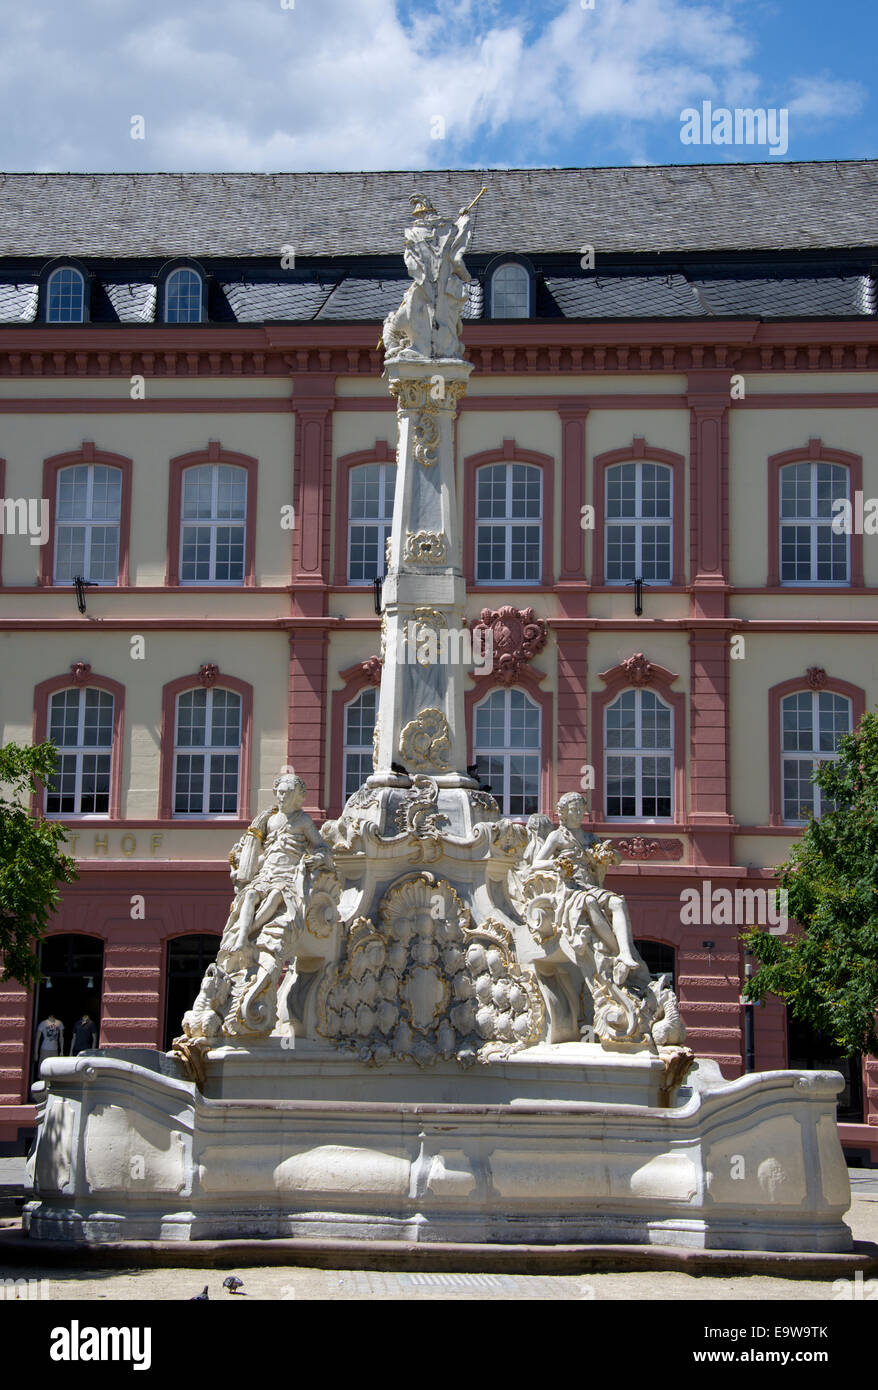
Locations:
{"points": [[49, 1040], [85, 1035]]}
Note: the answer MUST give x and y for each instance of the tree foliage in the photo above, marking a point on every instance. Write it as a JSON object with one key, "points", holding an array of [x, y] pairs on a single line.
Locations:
{"points": [[31, 861], [828, 973]]}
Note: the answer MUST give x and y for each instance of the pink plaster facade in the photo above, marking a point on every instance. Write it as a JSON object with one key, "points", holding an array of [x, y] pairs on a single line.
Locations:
{"points": [[570, 681]]}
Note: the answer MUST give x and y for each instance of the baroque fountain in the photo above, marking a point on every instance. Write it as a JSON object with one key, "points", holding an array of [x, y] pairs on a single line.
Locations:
{"points": [[425, 1021]]}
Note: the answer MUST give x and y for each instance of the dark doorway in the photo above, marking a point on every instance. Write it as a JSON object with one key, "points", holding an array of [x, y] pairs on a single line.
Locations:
{"points": [[660, 958], [809, 1050], [73, 969], [187, 959]]}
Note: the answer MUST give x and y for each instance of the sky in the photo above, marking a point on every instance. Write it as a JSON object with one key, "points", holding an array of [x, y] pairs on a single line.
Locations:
{"points": [[270, 85]]}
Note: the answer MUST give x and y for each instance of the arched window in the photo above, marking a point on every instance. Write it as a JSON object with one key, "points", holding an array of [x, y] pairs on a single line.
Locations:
{"points": [[509, 511], [812, 726], [510, 291], [80, 724], [370, 513], [507, 741], [659, 957], [639, 523], [638, 757], [88, 511], [213, 524], [811, 552], [359, 727], [65, 295], [207, 752], [184, 296], [185, 963]]}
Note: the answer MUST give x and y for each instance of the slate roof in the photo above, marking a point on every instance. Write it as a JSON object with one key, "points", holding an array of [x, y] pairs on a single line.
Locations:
{"points": [[669, 209]]}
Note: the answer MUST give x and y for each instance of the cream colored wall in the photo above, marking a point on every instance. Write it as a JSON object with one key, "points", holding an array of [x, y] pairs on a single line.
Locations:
{"points": [[754, 435], [26, 659], [155, 388], [151, 441], [768, 660]]}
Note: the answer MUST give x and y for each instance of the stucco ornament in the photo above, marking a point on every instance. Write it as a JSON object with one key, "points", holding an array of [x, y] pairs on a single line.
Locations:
{"points": [[816, 677], [517, 635], [638, 670], [424, 743], [426, 983], [426, 326], [426, 548], [80, 670], [561, 894]]}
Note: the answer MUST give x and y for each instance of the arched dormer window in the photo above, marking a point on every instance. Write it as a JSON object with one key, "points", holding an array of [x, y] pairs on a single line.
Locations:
{"points": [[182, 294], [510, 290], [64, 295]]}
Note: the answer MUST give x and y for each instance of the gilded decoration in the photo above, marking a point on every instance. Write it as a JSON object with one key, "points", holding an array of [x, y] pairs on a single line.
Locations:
{"points": [[427, 621], [426, 547], [425, 742]]}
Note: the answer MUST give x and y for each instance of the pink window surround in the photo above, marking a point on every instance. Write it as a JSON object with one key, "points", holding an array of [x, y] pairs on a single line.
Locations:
{"points": [[42, 694], [813, 452], [528, 682], [776, 694], [357, 678], [508, 453], [166, 755], [639, 451], [380, 453], [51, 468], [214, 453], [660, 680]]}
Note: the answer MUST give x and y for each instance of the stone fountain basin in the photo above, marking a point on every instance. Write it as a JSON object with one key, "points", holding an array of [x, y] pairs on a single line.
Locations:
{"points": [[531, 1150]]}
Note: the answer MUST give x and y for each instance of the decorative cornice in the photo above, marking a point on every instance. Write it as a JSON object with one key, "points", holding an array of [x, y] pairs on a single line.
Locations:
{"points": [[638, 847]]}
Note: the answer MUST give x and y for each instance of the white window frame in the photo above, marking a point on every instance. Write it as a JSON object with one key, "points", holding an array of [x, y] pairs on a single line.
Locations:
{"points": [[382, 524], [638, 752], [213, 523], [80, 750], [54, 275], [357, 749], [523, 275], [638, 521], [507, 523], [87, 522], [510, 750], [207, 750], [813, 756], [180, 271], [813, 522]]}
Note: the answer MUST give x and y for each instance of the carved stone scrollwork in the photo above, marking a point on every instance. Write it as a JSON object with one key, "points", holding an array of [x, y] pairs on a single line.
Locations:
{"points": [[638, 670], [427, 438], [517, 636], [816, 677], [426, 548], [80, 670], [208, 674], [425, 983], [425, 742], [417, 814], [640, 848]]}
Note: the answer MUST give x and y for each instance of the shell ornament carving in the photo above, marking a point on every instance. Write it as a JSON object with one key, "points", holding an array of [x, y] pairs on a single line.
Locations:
{"points": [[426, 984], [425, 742]]}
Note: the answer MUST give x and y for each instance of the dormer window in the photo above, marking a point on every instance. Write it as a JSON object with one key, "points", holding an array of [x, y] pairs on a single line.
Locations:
{"points": [[184, 296], [511, 291], [65, 296]]}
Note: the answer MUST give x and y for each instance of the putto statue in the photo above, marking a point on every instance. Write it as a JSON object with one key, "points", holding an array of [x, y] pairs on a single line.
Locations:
{"points": [[426, 326]]}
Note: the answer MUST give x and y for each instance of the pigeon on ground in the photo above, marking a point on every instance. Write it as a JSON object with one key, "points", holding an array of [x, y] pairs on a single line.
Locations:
{"points": [[202, 1297], [233, 1283]]}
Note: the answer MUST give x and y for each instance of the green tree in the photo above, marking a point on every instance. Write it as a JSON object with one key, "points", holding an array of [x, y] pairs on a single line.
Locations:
{"points": [[31, 861], [828, 973]]}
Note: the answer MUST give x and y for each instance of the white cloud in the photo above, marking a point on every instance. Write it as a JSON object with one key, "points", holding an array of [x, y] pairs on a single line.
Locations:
{"points": [[352, 84]]}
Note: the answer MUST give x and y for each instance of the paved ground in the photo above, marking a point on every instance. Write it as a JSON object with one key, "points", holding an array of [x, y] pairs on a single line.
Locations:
{"points": [[270, 1283]]}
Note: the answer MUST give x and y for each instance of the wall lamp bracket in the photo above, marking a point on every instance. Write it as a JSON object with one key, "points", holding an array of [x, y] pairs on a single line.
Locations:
{"points": [[80, 585]]}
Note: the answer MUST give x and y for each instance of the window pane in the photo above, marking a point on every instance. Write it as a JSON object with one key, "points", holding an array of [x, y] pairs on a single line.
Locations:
{"points": [[65, 296], [183, 297], [510, 292]]}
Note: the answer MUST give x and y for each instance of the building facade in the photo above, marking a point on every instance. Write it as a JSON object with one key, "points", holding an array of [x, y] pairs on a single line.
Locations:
{"points": [[676, 378]]}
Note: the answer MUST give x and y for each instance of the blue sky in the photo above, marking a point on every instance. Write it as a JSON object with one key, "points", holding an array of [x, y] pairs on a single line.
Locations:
{"points": [[378, 84]]}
